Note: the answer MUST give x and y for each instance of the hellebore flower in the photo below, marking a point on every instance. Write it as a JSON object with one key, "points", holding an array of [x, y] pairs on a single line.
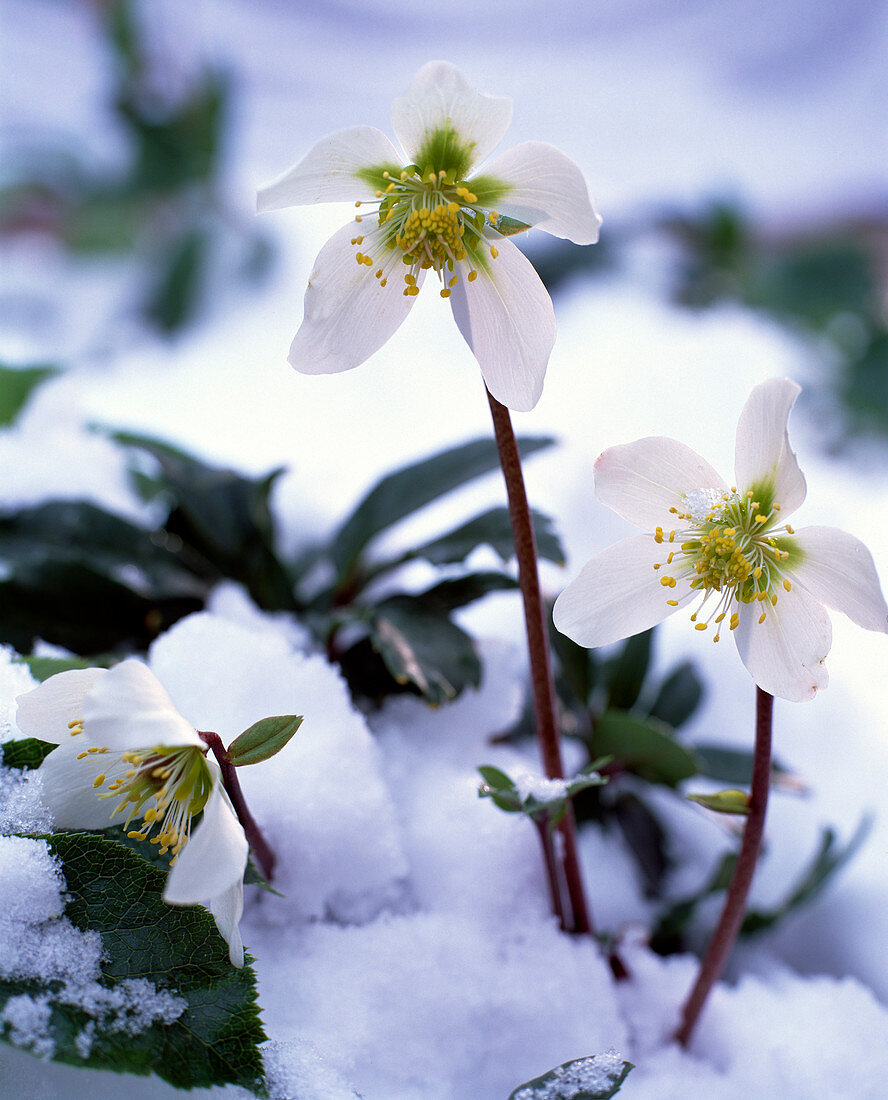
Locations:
{"points": [[426, 210], [728, 549], [126, 755]]}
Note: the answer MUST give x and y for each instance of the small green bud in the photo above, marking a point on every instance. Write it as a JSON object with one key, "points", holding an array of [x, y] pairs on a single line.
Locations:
{"points": [[263, 739], [731, 801]]}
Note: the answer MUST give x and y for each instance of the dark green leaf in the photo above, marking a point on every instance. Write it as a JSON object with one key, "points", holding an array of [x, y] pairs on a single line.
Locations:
{"points": [[41, 668], [215, 1040], [594, 1078], [172, 300], [263, 739], [679, 696], [730, 765], [669, 936], [25, 753], [407, 490], [578, 668], [492, 528], [495, 778], [420, 646], [224, 519], [625, 673], [644, 747], [457, 592], [16, 386]]}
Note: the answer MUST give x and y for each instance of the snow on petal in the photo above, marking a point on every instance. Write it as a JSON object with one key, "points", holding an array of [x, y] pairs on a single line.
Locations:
{"points": [[331, 170], [130, 709], [763, 456], [441, 99], [617, 594], [349, 313], [545, 189], [641, 481], [785, 652], [48, 711], [838, 570], [506, 317]]}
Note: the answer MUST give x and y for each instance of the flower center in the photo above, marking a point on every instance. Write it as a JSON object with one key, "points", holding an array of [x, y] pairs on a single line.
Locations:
{"points": [[427, 220], [731, 546], [165, 787]]}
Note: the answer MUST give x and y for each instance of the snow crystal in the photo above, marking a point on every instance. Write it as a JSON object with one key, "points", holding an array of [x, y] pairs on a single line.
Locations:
{"points": [[704, 504], [28, 1019], [540, 788], [583, 1075]]}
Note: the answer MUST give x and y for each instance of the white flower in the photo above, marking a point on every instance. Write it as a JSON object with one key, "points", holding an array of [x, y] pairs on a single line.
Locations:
{"points": [[727, 548], [426, 210], [126, 754]]}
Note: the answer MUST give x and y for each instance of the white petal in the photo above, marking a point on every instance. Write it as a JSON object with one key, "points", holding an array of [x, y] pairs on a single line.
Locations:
{"points": [[45, 712], [785, 654], [441, 97], [215, 856], [641, 481], [617, 594], [507, 319], [130, 709], [66, 787], [330, 171], [763, 456], [838, 570], [546, 189], [227, 909], [348, 313]]}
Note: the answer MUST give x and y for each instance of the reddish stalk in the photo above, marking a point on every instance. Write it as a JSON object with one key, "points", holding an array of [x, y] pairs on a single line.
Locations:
{"points": [[544, 705], [259, 846], [731, 920]]}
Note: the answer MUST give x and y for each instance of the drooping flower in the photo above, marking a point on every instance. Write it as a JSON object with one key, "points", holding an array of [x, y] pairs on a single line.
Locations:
{"points": [[127, 757], [727, 550], [431, 210]]}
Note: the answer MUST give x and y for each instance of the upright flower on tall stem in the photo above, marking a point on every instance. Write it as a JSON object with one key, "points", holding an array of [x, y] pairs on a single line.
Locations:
{"points": [[730, 552], [430, 208], [127, 757]]}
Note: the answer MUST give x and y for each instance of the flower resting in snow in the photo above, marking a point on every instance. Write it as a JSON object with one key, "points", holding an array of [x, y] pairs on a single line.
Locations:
{"points": [[126, 755], [425, 211], [727, 549]]}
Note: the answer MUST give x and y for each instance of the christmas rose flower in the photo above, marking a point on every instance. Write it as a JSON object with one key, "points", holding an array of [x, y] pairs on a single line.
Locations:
{"points": [[126, 755], [726, 549], [431, 209]]}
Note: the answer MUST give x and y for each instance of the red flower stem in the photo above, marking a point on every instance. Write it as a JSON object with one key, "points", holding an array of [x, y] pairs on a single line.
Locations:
{"points": [[536, 624], [265, 857], [545, 835], [731, 920]]}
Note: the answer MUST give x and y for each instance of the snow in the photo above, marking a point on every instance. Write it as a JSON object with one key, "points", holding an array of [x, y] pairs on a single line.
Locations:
{"points": [[411, 955]]}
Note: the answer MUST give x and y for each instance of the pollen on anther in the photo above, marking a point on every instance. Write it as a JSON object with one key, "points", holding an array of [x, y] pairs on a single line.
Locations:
{"points": [[787, 585], [98, 781]]}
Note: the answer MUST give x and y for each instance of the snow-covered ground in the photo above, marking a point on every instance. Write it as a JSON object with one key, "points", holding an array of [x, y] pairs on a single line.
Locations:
{"points": [[412, 956]]}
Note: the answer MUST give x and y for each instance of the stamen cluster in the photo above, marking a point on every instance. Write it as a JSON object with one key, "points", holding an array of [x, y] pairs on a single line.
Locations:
{"points": [[165, 787], [434, 222], [732, 547]]}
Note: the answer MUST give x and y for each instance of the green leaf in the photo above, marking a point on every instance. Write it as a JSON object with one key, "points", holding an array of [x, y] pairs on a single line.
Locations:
{"points": [[679, 696], [496, 779], [404, 492], [625, 673], [16, 386], [457, 592], [172, 300], [214, 1041], [263, 739], [646, 839], [732, 765], [492, 528], [223, 518], [41, 668], [578, 667], [27, 752], [731, 801], [643, 746], [594, 1078], [422, 647]]}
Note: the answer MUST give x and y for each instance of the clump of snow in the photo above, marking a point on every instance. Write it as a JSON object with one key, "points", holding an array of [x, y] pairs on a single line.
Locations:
{"points": [[28, 1019], [540, 788]]}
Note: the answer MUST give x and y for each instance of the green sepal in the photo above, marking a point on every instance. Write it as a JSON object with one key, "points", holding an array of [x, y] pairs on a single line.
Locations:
{"points": [[595, 1078], [730, 801], [263, 739]]}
